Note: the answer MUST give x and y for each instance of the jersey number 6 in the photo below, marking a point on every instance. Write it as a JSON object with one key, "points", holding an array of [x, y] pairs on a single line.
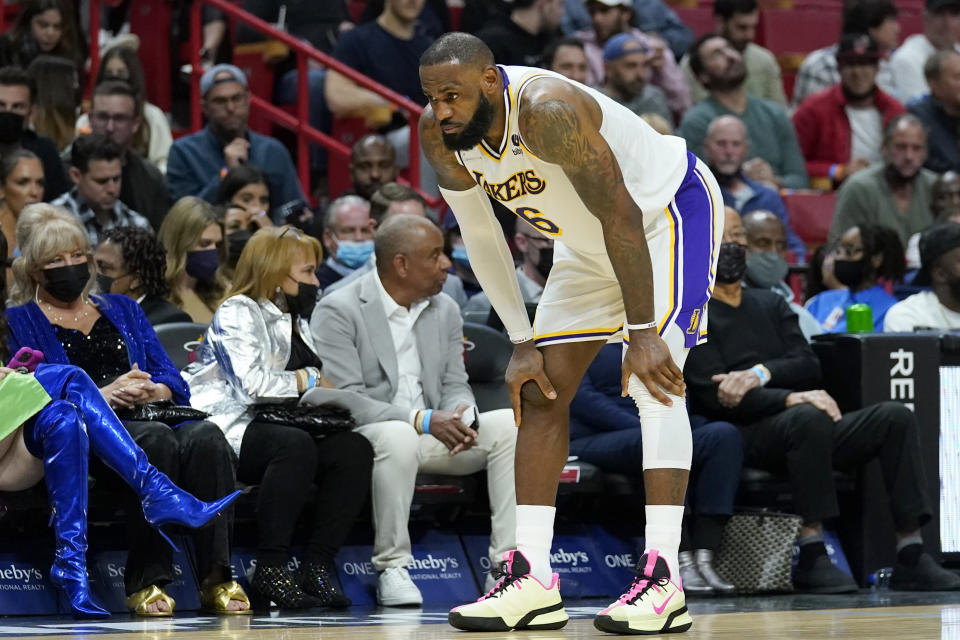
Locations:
{"points": [[535, 217]]}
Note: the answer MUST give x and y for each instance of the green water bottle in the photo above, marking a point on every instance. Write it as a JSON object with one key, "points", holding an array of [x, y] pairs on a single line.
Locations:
{"points": [[859, 318]]}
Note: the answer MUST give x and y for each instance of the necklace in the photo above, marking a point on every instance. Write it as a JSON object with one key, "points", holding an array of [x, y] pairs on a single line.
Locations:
{"points": [[56, 317]]}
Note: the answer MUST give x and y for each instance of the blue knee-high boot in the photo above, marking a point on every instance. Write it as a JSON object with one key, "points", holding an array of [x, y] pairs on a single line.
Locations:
{"points": [[57, 436], [163, 501]]}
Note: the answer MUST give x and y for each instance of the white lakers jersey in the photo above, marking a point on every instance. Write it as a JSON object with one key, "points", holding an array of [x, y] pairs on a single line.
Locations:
{"points": [[653, 167]]}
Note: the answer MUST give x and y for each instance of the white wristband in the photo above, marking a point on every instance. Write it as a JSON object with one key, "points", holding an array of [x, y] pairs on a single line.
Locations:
{"points": [[640, 327], [520, 338]]}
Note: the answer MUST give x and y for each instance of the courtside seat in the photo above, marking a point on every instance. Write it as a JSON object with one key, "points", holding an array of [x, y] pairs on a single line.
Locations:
{"points": [[180, 340]]}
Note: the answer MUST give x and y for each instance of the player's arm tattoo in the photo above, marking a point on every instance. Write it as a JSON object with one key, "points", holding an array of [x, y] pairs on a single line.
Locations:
{"points": [[561, 131], [450, 173]]}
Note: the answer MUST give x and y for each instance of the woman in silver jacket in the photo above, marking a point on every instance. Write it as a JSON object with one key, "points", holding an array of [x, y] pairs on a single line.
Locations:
{"points": [[259, 350]]}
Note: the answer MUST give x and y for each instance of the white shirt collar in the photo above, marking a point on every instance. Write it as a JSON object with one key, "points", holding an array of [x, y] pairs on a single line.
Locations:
{"points": [[390, 305]]}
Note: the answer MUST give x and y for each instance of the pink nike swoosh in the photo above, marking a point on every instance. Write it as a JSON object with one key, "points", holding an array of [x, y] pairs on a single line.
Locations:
{"points": [[660, 609]]}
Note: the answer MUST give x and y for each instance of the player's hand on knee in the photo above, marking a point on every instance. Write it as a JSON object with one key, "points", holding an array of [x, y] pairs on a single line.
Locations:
{"points": [[526, 365], [649, 359]]}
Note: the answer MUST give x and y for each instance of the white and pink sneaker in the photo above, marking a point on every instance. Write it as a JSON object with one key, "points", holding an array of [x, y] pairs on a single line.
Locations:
{"points": [[653, 604]]}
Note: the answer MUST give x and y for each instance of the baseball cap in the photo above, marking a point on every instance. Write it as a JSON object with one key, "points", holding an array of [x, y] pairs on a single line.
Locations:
{"points": [[938, 5], [207, 82], [612, 3], [934, 242], [857, 47], [623, 44]]}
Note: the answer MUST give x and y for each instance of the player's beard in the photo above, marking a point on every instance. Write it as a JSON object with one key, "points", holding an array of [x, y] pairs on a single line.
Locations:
{"points": [[474, 130]]}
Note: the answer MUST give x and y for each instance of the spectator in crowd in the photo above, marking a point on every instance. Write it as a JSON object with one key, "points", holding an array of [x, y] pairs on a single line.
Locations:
{"points": [[770, 134], [457, 252], [43, 27], [609, 18], [109, 337], [54, 444], [17, 91], [132, 262], [941, 32], [940, 111], [152, 139], [945, 207], [840, 129], [520, 37], [433, 21], [392, 36], [626, 62], [865, 253], [21, 184], [193, 238], [428, 420], [737, 20], [114, 113], [258, 350], [320, 24], [725, 149], [605, 431], [245, 187], [96, 170], [199, 161], [876, 18], [650, 16], [758, 372], [347, 238], [938, 308], [895, 193], [389, 200], [536, 260], [393, 198], [373, 162], [54, 112], [820, 276], [766, 240], [567, 57]]}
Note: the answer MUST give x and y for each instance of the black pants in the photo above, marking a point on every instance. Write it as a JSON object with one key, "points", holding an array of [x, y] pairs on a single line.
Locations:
{"points": [[197, 458], [285, 461], [807, 445]]}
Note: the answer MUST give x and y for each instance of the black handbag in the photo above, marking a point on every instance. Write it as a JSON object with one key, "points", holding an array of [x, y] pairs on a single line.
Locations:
{"points": [[164, 411], [319, 420]]}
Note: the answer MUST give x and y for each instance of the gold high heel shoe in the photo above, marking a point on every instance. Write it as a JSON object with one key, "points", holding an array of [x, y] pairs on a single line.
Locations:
{"points": [[138, 602], [216, 598]]}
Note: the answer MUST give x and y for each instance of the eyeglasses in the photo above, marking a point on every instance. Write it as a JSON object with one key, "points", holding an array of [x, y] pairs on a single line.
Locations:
{"points": [[293, 232], [104, 118]]}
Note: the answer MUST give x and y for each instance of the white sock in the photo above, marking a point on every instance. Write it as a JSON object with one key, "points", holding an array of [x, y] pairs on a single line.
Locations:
{"points": [[535, 537], [663, 535]]}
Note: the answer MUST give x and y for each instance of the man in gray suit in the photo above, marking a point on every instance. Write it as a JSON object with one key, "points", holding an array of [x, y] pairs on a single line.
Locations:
{"points": [[394, 337]]}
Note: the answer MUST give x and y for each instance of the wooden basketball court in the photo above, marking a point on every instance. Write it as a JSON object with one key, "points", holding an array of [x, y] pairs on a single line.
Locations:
{"points": [[927, 622]]}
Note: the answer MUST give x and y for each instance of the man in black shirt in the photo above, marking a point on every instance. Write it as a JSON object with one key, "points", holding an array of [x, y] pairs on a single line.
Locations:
{"points": [[521, 37], [940, 111], [114, 114], [758, 372], [17, 90]]}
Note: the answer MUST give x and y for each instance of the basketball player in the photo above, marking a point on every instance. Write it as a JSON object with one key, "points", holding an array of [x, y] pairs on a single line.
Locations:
{"points": [[636, 221]]}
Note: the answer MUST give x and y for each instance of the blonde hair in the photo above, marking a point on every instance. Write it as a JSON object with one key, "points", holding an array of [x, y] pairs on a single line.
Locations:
{"points": [[267, 258], [181, 229], [43, 231]]}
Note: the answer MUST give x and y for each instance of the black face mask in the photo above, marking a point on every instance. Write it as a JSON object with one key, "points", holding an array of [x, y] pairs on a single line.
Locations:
{"points": [[954, 288], [11, 127], [849, 273], [68, 282], [303, 303], [545, 263], [236, 241], [731, 262], [104, 283]]}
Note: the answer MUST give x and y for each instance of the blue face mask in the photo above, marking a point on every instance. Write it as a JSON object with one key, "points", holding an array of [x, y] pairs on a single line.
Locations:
{"points": [[354, 253], [203, 265], [459, 255]]}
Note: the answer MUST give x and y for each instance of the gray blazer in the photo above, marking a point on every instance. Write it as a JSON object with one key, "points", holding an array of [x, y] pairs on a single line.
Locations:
{"points": [[353, 339]]}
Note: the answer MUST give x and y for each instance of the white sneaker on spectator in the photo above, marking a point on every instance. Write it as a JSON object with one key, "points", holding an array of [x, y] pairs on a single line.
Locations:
{"points": [[396, 589]]}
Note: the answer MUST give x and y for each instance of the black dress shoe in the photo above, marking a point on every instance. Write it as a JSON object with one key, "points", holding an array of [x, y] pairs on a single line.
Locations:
{"points": [[319, 579], [275, 584], [823, 577], [927, 575]]}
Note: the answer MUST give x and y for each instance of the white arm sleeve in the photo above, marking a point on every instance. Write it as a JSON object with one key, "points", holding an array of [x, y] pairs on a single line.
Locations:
{"points": [[490, 259]]}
